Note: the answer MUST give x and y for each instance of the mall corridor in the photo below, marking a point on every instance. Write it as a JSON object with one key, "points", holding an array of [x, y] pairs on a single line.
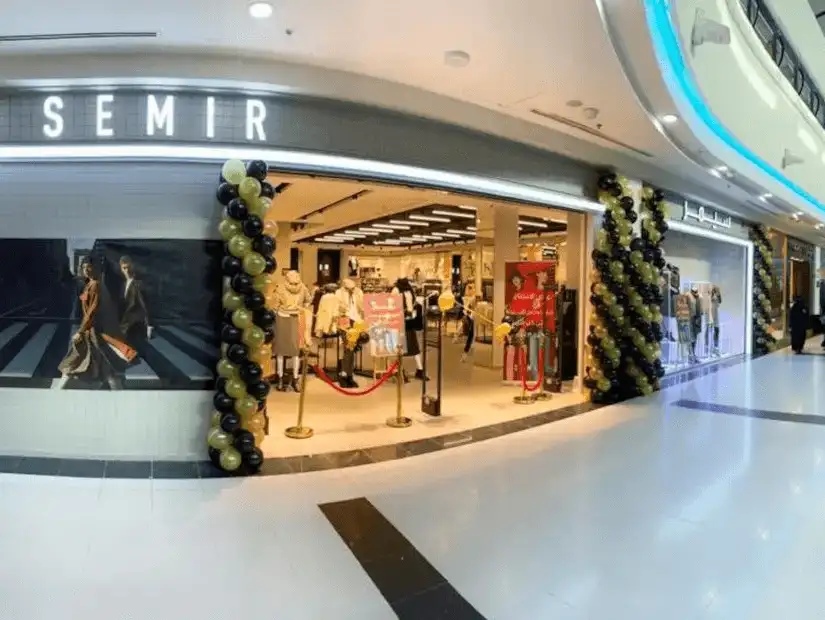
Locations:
{"points": [[706, 500]]}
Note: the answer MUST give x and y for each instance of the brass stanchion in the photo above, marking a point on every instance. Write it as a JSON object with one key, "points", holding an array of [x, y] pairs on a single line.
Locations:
{"points": [[299, 431], [542, 394], [399, 421], [524, 398]]}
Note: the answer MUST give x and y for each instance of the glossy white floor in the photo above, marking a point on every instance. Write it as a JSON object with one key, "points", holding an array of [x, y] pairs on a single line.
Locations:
{"points": [[641, 511]]}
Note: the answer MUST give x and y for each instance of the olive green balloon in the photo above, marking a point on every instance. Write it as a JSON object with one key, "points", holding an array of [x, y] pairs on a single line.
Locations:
{"points": [[229, 228], [254, 264], [242, 318], [227, 369], [219, 439], [230, 459], [240, 246], [262, 282], [234, 171], [257, 207], [232, 301], [236, 388], [249, 189], [246, 405], [215, 419], [253, 337]]}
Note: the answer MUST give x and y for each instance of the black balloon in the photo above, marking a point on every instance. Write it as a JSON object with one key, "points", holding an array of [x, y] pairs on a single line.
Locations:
{"points": [[223, 402], [220, 384], [269, 335], [258, 390], [231, 334], [263, 245], [251, 372], [253, 460], [637, 245], [226, 193], [255, 300], [242, 284], [271, 264], [214, 456], [257, 169], [264, 317], [626, 202], [267, 190], [252, 226], [238, 354], [244, 441], [230, 265], [230, 422], [237, 209]]}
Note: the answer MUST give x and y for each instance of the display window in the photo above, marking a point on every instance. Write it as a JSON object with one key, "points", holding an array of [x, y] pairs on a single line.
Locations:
{"points": [[704, 286]]}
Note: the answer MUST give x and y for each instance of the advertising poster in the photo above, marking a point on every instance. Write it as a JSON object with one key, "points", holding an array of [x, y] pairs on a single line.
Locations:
{"points": [[384, 316], [530, 294], [109, 314]]}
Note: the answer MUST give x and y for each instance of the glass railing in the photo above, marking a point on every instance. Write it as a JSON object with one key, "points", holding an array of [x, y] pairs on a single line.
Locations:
{"points": [[784, 56]]}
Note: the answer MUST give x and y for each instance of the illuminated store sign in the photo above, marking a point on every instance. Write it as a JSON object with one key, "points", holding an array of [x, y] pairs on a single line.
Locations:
{"points": [[706, 215], [122, 116]]}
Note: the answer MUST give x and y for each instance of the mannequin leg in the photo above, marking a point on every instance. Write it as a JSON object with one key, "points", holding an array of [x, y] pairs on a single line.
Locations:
{"points": [[296, 371], [469, 328], [419, 364], [279, 369]]}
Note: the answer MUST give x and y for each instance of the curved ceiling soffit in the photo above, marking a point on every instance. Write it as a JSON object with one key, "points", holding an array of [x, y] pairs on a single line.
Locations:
{"points": [[616, 43], [666, 45]]}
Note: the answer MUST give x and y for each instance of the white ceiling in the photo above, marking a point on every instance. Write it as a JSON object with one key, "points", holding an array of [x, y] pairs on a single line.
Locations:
{"points": [[525, 55]]}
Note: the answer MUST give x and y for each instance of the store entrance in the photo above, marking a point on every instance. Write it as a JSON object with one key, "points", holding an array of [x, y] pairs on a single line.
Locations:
{"points": [[378, 258]]}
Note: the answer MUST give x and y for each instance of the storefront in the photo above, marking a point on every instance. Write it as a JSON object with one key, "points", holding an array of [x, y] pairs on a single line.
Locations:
{"points": [[706, 285], [121, 185]]}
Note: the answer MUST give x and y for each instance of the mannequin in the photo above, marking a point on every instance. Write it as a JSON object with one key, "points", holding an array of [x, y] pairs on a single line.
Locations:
{"points": [[696, 320], [469, 320], [291, 300], [683, 311], [712, 332], [413, 323], [326, 317], [350, 300]]}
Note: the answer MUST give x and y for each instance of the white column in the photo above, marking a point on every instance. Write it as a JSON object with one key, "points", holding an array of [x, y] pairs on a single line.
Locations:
{"points": [[506, 249], [581, 236], [309, 264]]}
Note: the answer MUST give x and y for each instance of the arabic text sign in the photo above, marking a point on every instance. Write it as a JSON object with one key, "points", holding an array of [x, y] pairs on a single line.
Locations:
{"points": [[384, 315], [706, 215]]}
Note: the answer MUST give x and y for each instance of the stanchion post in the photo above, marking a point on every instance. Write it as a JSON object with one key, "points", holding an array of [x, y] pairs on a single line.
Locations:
{"points": [[399, 421], [524, 398], [299, 431]]}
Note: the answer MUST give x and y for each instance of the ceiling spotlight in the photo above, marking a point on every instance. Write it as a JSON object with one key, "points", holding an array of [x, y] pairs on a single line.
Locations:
{"points": [[669, 119], [260, 10], [469, 216], [456, 59]]}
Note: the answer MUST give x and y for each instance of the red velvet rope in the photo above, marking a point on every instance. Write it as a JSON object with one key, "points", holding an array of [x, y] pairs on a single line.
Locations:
{"points": [[523, 362], [319, 372]]}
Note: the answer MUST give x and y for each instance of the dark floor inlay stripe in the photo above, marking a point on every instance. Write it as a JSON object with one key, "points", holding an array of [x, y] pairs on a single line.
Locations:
{"points": [[410, 584], [762, 414]]}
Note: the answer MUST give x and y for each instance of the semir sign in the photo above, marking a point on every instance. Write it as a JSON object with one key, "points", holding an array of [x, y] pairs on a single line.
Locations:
{"points": [[162, 116]]}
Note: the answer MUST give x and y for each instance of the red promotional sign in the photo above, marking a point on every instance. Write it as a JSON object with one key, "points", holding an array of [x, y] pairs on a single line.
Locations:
{"points": [[526, 294], [384, 316]]}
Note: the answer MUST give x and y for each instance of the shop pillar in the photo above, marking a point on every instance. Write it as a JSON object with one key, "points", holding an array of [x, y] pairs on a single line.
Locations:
{"points": [[309, 264], [499, 223], [283, 244], [581, 236]]}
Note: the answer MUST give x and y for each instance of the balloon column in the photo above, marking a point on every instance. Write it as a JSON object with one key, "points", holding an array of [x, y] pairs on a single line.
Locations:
{"points": [[763, 341], [644, 364], [609, 340], [239, 419]]}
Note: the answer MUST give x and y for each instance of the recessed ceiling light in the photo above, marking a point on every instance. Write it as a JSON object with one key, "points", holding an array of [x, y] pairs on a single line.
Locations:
{"points": [[669, 119], [469, 216], [820, 226], [765, 197], [466, 207], [574, 103], [533, 224], [260, 10], [428, 218], [408, 223], [456, 58]]}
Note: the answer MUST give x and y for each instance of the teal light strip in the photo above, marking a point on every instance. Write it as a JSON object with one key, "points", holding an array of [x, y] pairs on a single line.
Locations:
{"points": [[672, 62]]}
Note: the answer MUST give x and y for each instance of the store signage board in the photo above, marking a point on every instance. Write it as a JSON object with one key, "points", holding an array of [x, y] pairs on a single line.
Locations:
{"points": [[384, 316], [136, 116], [706, 215]]}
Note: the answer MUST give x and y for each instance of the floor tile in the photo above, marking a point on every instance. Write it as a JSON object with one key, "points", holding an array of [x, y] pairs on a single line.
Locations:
{"points": [[128, 469], [39, 466], [184, 470], [81, 468]]}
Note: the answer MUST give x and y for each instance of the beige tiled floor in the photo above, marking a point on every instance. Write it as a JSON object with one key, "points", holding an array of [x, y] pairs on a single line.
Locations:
{"points": [[472, 397]]}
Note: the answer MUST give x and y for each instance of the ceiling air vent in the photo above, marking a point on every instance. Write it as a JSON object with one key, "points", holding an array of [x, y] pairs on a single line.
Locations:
{"points": [[75, 36], [589, 131]]}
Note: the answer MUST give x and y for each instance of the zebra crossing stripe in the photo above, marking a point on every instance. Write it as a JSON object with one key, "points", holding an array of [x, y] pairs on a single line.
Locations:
{"points": [[25, 362]]}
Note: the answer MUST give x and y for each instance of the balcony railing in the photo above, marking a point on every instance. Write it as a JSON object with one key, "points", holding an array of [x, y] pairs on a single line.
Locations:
{"points": [[784, 56]]}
